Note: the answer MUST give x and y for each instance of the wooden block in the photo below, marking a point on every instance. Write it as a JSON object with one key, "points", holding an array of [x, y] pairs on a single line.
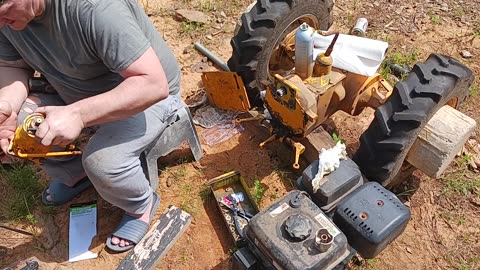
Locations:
{"points": [[158, 241], [441, 139]]}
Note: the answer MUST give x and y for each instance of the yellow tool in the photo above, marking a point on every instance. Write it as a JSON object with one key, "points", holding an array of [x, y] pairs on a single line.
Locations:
{"points": [[24, 145]]}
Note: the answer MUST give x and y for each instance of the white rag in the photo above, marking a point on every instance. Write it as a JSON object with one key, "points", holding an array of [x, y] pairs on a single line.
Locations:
{"points": [[328, 161]]}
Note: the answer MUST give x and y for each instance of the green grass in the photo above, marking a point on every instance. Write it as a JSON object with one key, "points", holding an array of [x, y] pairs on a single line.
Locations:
{"points": [[459, 263], [257, 191], [25, 188], [285, 175], [189, 198], [435, 19], [462, 181], [190, 27], [408, 58], [231, 8], [453, 217], [473, 90]]}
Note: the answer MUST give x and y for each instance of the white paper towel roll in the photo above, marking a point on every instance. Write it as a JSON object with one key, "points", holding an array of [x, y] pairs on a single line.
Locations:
{"points": [[352, 53]]}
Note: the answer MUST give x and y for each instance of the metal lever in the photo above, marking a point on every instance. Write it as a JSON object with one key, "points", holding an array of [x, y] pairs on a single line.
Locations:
{"points": [[248, 119], [299, 149]]}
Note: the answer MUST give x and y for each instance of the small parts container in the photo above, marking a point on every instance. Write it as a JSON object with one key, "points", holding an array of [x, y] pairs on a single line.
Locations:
{"points": [[226, 188], [371, 217]]}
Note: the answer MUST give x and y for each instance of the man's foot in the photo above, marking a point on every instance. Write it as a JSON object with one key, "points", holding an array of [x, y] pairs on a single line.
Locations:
{"points": [[59, 193], [132, 228], [145, 217]]}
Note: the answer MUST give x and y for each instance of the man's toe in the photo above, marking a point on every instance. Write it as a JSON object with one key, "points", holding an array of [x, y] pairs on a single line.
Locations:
{"points": [[115, 240]]}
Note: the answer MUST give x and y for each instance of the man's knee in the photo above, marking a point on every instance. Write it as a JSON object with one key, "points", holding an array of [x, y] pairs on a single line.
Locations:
{"points": [[105, 168]]}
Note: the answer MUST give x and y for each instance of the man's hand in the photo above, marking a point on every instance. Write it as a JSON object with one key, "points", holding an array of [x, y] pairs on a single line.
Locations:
{"points": [[8, 124], [62, 125]]}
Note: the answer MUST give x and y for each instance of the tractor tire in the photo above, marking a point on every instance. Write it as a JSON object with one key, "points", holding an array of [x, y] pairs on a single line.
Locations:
{"points": [[261, 31], [439, 81]]}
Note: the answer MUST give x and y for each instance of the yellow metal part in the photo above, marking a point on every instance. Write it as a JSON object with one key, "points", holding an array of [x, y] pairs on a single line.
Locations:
{"points": [[24, 145], [225, 90], [291, 103], [254, 118], [364, 92], [270, 139], [299, 149]]}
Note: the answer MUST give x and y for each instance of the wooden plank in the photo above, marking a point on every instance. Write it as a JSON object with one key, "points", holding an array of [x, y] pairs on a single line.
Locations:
{"points": [[158, 241], [441, 139]]}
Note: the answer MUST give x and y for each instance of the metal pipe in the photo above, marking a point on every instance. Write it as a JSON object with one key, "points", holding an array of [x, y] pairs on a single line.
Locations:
{"points": [[211, 56]]}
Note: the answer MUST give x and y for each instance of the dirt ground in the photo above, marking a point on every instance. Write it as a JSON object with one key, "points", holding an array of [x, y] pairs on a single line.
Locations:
{"points": [[444, 231]]}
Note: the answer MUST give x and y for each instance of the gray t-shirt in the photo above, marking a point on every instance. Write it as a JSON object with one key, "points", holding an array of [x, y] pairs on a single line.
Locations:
{"points": [[81, 45]]}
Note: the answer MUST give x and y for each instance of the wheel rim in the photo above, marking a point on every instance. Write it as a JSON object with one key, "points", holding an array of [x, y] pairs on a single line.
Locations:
{"points": [[279, 60]]}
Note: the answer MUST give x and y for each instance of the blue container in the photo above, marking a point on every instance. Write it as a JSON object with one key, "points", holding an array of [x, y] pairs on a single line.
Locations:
{"points": [[304, 51]]}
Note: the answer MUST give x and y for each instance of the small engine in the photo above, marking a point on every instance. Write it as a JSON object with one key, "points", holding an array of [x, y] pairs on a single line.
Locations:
{"points": [[306, 230], [294, 233]]}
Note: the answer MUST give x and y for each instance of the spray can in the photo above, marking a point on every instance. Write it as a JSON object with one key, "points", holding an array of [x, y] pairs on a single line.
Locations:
{"points": [[304, 51], [360, 28]]}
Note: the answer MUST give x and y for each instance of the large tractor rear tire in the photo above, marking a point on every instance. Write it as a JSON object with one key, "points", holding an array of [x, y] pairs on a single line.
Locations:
{"points": [[263, 28], [439, 81]]}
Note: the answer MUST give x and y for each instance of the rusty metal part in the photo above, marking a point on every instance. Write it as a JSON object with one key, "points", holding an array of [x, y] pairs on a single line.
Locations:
{"points": [[24, 145], [323, 240], [324, 61], [225, 90]]}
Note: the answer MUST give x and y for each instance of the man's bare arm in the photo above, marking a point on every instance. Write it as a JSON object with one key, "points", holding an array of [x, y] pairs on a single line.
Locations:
{"points": [[145, 84], [14, 77]]}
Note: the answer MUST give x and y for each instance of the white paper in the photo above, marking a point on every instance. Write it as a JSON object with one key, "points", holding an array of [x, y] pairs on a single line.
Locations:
{"points": [[354, 54], [82, 229], [328, 161]]}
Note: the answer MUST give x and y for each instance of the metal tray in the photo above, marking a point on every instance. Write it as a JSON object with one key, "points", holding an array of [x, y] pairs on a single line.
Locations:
{"points": [[224, 185]]}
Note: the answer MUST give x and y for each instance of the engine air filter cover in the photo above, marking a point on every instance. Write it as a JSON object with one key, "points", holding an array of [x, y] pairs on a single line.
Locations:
{"points": [[371, 217]]}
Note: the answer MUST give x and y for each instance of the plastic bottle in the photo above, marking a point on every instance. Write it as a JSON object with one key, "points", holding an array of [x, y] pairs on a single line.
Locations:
{"points": [[304, 51]]}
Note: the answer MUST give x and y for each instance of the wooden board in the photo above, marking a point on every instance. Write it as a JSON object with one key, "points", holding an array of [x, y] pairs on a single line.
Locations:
{"points": [[158, 241], [440, 140]]}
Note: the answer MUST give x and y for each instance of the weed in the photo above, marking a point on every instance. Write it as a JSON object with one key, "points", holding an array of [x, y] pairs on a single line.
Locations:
{"points": [[188, 203], [189, 27], [22, 199], [408, 58], [257, 191], [336, 138], [205, 193], [232, 250], [451, 216], [207, 6], [476, 31], [285, 176], [230, 8], [473, 90], [179, 174], [460, 263], [461, 180], [435, 19]]}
